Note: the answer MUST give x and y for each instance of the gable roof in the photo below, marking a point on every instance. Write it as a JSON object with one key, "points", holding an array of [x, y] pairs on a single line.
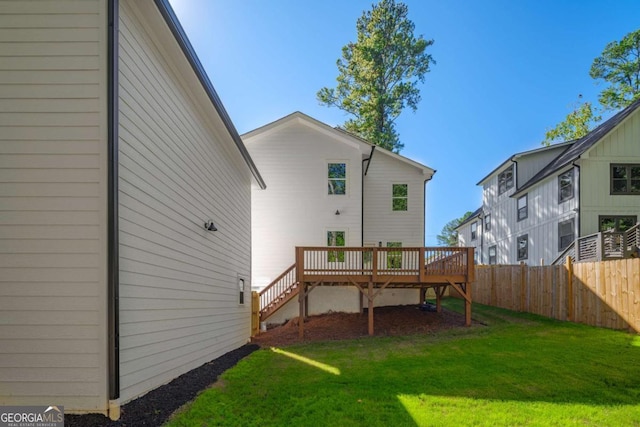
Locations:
{"points": [[516, 156], [579, 147], [181, 38], [477, 213], [339, 133]]}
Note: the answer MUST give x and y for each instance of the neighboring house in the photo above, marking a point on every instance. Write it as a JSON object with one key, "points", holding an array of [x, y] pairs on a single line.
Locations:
{"points": [[327, 187], [536, 203], [470, 235], [115, 152]]}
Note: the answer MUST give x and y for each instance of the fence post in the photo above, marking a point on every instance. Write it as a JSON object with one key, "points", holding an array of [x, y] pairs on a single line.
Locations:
{"points": [[569, 265], [523, 287]]}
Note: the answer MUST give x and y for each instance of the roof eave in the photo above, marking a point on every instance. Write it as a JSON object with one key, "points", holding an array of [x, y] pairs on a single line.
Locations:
{"points": [[178, 32]]}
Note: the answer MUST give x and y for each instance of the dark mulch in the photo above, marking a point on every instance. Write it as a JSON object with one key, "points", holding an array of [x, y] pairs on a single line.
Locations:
{"points": [[155, 407]]}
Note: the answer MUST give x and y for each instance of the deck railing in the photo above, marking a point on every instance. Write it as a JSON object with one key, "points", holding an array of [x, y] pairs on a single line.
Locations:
{"points": [[284, 283], [372, 263], [605, 245]]}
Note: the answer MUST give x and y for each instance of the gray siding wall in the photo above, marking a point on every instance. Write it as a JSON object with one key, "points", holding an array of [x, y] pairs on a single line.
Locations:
{"points": [[179, 294], [53, 204]]}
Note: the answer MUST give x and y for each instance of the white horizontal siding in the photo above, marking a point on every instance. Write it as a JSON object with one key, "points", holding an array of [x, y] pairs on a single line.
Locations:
{"points": [[53, 204], [381, 223], [178, 168], [295, 209]]}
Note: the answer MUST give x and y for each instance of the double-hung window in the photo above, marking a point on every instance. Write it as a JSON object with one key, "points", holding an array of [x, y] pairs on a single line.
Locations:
{"points": [[399, 197], [505, 180], [565, 186], [335, 238], [566, 234], [474, 230], [394, 258], [625, 179], [337, 178], [493, 254], [523, 211], [523, 247], [487, 222]]}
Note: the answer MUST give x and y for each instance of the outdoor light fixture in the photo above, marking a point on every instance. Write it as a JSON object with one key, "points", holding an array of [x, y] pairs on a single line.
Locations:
{"points": [[337, 212], [210, 226]]}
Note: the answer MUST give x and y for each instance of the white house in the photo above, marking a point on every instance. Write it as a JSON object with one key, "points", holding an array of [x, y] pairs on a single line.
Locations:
{"points": [[327, 187], [115, 152], [536, 203]]}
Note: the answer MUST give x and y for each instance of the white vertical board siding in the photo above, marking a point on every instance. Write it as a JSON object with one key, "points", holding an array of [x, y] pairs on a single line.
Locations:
{"points": [[381, 223], [295, 209], [179, 295], [502, 209], [53, 246], [622, 145], [541, 225]]}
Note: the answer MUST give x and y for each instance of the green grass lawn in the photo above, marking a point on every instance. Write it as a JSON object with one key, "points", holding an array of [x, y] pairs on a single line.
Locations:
{"points": [[518, 370]]}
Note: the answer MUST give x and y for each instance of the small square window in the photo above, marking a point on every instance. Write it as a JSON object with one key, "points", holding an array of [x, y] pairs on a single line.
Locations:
{"points": [[523, 247], [400, 196], [337, 178], [523, 211], [474, 230], [565, 186]]}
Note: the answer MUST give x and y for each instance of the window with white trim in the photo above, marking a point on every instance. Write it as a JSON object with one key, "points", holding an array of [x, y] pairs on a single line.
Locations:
{"points": [[399, 197], [337, 178], [474, 230], [487, 222], [335, 238]]}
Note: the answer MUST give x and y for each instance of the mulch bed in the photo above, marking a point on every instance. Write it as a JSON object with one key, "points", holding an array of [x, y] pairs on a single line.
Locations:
{"points": [[387, 321], [155, 407]]}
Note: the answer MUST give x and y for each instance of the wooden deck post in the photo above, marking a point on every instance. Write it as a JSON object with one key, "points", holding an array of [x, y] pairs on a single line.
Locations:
{"points": [[302, 292], [467, 305], [361, 299], [370, 309]]}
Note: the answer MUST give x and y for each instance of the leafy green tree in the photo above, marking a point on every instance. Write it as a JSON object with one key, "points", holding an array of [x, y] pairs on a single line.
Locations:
{"points": [[379, 74], [619, 65], [577, 124], [449, 236]]}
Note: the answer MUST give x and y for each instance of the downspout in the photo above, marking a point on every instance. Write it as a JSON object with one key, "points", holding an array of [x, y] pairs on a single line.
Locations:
{"points": [[482, 223], [424, 205], [368, 160], [113, 280], [578, 212]]}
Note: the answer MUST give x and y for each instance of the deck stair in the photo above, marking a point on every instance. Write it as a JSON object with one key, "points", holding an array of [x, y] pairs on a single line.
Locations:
{"points": [[278, 293], [602, 246]]}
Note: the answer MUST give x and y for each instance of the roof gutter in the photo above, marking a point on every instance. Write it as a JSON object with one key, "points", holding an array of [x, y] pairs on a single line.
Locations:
{"points": [[424, 203], [174, 25], [368, 160], [113, 268]]}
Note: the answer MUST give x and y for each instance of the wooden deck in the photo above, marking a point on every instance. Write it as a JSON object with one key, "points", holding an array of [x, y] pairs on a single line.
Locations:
{"points": [[371, 269]]}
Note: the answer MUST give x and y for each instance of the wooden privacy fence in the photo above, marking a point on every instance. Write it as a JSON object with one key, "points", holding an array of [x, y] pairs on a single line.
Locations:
{"points": [[604, 294]]}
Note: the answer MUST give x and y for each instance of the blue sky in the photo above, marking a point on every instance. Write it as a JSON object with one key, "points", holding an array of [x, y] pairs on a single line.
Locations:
{"points": [[505, 72]]}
